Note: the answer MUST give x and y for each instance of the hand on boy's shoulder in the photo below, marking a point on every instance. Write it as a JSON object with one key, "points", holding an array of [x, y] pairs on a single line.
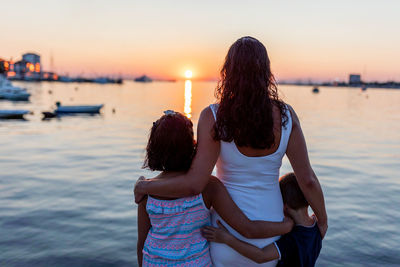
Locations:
{"points": [[289, 222]]}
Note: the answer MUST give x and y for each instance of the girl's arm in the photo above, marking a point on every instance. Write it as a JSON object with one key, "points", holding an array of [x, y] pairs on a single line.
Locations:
{"points": [[218, 197], [308, 181], [221, 235], [196, 179], [143, 229]]}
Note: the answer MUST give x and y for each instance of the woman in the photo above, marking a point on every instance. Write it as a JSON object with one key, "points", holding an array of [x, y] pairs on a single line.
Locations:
{"points": [[246, 135]]}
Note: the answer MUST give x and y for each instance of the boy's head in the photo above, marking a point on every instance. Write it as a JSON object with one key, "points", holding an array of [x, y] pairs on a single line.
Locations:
{"points": [[291, 193], [171, 144]]}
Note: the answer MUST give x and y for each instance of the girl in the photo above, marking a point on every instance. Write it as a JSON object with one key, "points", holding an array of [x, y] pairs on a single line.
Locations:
{"points": [[169, 230]]}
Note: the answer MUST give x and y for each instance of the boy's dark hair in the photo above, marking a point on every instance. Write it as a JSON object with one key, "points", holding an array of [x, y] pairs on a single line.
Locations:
{"points": [[171, 144], [291, 192]]}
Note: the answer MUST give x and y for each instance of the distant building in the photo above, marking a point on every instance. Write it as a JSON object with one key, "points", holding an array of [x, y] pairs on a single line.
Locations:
{"points": [[354, 79], [31, 57], [4, 66], [31, 66], [28, 68]]}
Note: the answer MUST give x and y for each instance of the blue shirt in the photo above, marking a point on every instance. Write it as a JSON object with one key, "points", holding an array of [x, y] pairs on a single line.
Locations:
{"points": [[300, 247]]}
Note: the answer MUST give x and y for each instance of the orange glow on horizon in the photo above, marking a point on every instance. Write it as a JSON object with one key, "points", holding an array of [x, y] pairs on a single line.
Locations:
{"points": [[170, 43]]}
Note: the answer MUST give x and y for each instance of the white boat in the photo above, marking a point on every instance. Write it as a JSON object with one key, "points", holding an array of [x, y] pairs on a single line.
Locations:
{"points": [[14, 95], [11, 92], [77, 109], [13, 114]]}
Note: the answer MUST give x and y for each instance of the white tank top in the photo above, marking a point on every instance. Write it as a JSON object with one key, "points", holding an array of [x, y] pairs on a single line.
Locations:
{"points": [[253, 183]]}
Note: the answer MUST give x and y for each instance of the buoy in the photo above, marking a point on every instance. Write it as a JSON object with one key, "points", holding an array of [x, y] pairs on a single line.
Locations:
{"points": [[315, 90]]}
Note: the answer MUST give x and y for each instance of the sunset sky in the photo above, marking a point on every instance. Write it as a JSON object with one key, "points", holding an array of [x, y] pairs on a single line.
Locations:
{"points": [[321, 40]]}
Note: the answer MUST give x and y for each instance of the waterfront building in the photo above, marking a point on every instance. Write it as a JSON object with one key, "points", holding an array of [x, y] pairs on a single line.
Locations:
{"points": [[4, 66], [355, 79], [32, 67], [28, 68], [49, 76]]}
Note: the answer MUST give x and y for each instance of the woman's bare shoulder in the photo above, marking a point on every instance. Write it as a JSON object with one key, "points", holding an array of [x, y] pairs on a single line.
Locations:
{"points": [[206, 120], [295, 119], [206, 114]]}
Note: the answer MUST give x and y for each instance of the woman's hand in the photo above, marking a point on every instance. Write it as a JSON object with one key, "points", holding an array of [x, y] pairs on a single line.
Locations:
{"points": [[219, 235], [139, 192], [323, 228]]}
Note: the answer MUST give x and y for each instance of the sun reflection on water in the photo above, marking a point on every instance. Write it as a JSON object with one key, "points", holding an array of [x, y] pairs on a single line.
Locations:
{"points": [[188, 99]]}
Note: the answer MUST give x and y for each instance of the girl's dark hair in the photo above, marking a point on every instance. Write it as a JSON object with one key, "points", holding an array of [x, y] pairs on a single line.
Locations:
{"points": [[171, 144], [246, 93]]}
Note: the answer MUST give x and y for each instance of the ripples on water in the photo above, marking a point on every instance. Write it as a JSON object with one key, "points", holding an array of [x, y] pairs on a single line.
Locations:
{"points": [[66, 184]]}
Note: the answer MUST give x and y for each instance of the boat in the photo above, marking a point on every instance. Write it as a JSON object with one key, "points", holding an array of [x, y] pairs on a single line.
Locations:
{"points": [[14, 95], [315, 90], [143, 79], [101, 80], [13, 114], [48, 115], [94, 109], [105, 80], [11, 92]]}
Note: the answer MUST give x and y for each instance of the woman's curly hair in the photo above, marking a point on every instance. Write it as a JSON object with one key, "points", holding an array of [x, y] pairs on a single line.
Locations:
{"points": [[171, 144], [246, 93]]}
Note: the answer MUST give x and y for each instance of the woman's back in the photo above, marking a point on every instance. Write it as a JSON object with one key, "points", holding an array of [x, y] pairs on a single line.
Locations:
{"points": [[253, 183], [174, 237]]}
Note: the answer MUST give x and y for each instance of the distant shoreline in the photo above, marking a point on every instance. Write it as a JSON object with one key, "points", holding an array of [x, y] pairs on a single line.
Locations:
{"points": [[376, 85]]}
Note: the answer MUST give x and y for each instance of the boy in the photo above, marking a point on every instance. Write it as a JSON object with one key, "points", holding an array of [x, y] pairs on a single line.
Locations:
{"points": [[300, 247]]}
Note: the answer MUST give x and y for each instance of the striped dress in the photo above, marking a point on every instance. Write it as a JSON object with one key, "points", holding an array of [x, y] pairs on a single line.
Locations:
{"points": [[174, 238]]}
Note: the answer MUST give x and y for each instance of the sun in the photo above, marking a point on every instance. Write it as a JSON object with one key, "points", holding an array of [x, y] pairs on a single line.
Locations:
{"points": [[188, 74]]}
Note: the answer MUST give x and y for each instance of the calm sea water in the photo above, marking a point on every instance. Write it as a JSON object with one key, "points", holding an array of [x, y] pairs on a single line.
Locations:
{"points": [[66, 184]]}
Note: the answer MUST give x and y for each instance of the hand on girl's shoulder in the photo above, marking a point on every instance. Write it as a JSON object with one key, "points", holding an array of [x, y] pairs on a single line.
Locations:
{"points": [[143, 201], [214, 184], [213, 189]]}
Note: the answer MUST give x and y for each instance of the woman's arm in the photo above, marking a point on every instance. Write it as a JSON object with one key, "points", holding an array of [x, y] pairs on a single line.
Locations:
{"points": [[308, 181], [143, 229], [196, 179], [221, 235], [216, 194]]}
